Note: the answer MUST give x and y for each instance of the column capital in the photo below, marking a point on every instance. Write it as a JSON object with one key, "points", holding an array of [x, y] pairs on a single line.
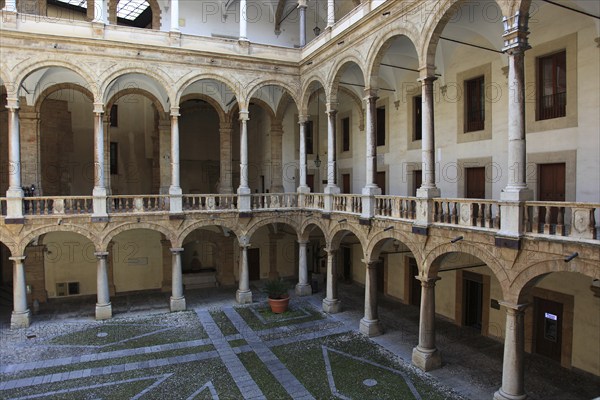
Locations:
{"points": [[98, 108], [303, 242], [175, 112], [330, 251], [225, 127], [244, 115], [12, 103], [101, 254], [427, 281], [370, 263], [371, 93], [244, 241], [515, 34], [331, 108], [17, 258], [302, 119], [302, 4], [513, 308], [427, 80], [176, 250]]}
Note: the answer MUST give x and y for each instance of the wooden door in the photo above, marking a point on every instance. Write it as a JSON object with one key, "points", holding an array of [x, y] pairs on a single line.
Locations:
{"points": [[254, 264], [310, 182], [380, 181], [346, 183], [417, 181], [415, 286], [551, 188], [475, 183], [548, 317], [380, 276], [472, 300]]}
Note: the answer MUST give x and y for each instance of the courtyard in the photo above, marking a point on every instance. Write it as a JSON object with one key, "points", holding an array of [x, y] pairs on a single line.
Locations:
{"points": [[217, 350]]}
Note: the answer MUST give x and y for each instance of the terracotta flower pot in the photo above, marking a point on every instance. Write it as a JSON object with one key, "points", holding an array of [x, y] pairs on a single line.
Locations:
{"points": [[279, 305]]}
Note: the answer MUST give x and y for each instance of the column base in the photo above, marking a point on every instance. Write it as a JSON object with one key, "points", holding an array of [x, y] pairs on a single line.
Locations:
{"points": [[243, 296], [303, 189], [177, 304], [20, 319], [426, 360], [429, 193], [303, 289], [332, 306], [370, 327], [500, 395], [103, 311]]}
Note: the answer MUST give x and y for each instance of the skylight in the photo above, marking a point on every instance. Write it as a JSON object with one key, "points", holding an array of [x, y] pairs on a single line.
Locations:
{"points": [[127, 9]]}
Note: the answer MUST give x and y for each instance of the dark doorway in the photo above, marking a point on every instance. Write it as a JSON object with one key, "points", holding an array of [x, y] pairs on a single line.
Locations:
{"points": [[551, 188], [346, 183], [475, 183], [547, 325], [380, 276], [254, 264], [472, 300], [380, 181], [415, 286], [347, 263], [417, 181], [310, 182]]}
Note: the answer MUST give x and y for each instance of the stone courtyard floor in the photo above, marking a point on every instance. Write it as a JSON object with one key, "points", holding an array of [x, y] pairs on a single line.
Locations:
{"points": [[217, 350]]}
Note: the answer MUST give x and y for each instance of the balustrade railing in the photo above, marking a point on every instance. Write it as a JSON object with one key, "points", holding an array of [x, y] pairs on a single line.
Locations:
{"points": [[209, 202], [138, 204], [349, 203], [315, 201], [57, 205], [264, 201], [576, 220], [467, 212], [396, 207]]}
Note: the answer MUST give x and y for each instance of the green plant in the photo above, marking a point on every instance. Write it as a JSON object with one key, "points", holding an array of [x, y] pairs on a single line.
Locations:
{"points": [[276, 288]]}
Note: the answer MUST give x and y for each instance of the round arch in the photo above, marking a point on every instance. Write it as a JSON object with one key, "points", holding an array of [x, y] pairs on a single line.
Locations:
{"points": [[377, 241], [181, 86], [307, 91], [533, 273], [287, 88], [271, 220], [338, 70], [337, 234], [163, 81], [5, 239], [304, 230], [200, 96], [78, 229], [205, 224], [130, 91], [61, 86], [110, 235], [378, 50], [432, 260], [5, 75]]}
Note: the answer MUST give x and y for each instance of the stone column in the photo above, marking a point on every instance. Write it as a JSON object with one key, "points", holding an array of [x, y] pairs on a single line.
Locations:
{"points": [[164, 145], [244, 294], [428, 188], [107, 177], [369, 325], [14, 194], [225, 185], [515, 45], [21, 316], [331, 154], [331, 304], [513, 365], [101, 11], [243, 21], [174, 15], [426, 356], [99, 192], [302, 14], [330, 13], [303, 187], [244, 189], [177, 298], [276, 158], [371, 189], [175, 192], [103, 306], [303, 288]]}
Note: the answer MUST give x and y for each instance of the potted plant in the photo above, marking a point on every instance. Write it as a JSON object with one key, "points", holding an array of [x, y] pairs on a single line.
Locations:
{"points": [[277, 295]]}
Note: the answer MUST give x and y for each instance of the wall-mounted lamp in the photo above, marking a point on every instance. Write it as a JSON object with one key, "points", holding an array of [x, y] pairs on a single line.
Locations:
{"points": [[389, 228], [571, 257], [456, 239], [342, 220], [317, 30], [309, 215], [317, 161]]}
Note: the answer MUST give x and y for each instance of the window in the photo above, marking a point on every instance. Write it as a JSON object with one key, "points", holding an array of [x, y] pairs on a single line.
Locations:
{"points": [[552, 86], [417, 117], [475, 104], [346, 134], [309, 137], [114, 116], [114, 158], [381, 126]]}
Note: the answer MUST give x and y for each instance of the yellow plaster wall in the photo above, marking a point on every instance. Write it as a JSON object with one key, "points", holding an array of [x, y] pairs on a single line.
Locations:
{"points": [[137, 260]]}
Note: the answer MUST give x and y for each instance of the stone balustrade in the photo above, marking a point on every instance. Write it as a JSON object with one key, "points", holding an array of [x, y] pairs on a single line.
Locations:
{"points": [[396, 207], [209, 202], [137, 204], [467, 212], [347, 203], [576, 220], [314, 201], [265, 201], [57, 205]]}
